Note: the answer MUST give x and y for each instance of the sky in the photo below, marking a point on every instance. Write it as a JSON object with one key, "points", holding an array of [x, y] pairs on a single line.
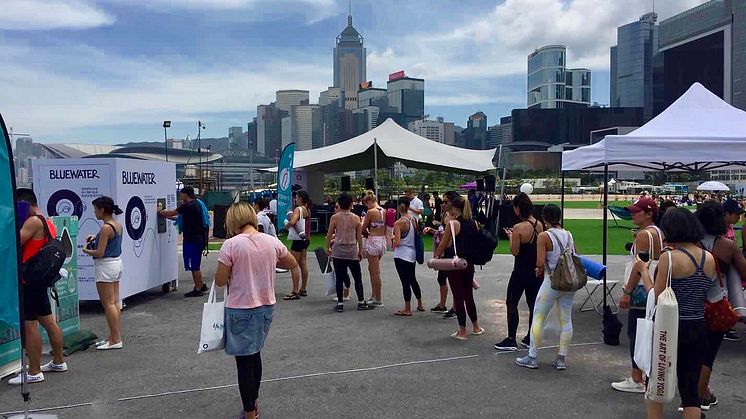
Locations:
{"points": [[111, 71]]}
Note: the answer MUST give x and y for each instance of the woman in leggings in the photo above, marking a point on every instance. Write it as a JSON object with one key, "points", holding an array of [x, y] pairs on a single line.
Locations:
{"points": [[462, 282], [445, 216], [550, 245], [405, 257], [299, 246], [523, 237], [347, 251], [729, 257], [693, 272], [375, 224]]}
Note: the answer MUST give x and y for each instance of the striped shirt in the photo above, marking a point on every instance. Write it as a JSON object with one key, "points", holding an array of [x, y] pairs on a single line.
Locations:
{"points": [[691, 291]]}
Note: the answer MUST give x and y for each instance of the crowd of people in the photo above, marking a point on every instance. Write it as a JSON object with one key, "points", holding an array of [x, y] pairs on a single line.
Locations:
{"points": [[700, 248]]}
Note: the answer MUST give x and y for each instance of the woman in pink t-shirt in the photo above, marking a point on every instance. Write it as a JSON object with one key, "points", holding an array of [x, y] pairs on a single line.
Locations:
{"points": [[246, 263]]}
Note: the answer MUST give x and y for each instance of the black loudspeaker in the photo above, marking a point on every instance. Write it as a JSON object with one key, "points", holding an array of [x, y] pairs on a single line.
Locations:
{"points": [[480, 185], [489, 183], [369, 184], [218, 229], [346, 187]]}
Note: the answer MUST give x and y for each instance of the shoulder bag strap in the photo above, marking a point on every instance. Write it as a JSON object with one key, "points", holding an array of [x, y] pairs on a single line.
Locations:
{"points": [[453, 235], [47, 233], [670, 269], [557, 239]]}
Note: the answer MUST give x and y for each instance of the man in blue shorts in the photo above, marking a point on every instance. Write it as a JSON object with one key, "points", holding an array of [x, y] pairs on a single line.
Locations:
{"points": [[195, 237]]}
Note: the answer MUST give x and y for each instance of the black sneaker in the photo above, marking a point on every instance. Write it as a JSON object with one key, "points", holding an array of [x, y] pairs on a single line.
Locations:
{"points": [[204, 288], [365, 306], [507, 344], [451, 314], [339, 308], [732, 336], [439, 309], [194, 293], [708, 402], [526, 341]]}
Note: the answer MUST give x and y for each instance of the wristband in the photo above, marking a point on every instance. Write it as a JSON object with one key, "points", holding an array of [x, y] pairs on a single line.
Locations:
{"points": [[624, 290]]}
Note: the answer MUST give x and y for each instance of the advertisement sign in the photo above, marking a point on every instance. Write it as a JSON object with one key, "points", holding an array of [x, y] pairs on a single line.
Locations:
{"points": [[285, 183], [67, 187], [66, 310], [10, 323], [396, 76]]}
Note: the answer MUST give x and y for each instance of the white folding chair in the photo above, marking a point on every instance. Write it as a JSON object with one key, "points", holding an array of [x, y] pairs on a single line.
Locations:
{"points": [[590, 302]]}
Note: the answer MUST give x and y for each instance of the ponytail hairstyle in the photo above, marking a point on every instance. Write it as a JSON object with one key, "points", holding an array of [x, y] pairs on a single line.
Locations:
{"points": [[303, 195], [524, 205], [370, 196], [463, 206], [107, 204]]}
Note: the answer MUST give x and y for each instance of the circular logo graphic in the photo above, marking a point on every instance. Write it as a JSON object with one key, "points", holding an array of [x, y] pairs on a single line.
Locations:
{"points": [[135, 218], [284, 179], [65, 203]]}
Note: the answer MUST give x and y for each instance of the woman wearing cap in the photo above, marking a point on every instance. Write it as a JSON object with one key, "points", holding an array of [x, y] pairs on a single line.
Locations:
{"points": [[648, 245]]}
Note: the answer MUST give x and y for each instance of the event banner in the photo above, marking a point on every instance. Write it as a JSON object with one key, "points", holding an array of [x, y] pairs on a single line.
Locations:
{"points": [[285, 184], [10, 324]]}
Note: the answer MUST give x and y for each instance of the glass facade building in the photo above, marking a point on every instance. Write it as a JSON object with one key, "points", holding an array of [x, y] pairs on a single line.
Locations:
{"points": [[406, 96], [349, 63], [551, 85]]}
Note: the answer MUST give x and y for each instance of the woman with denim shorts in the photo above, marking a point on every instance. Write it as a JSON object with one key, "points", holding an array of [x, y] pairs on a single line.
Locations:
{"points": [[246, 263]]}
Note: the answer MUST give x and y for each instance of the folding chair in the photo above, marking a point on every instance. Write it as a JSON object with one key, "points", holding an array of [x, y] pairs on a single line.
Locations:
{"points": [[619, 213], [590, 302]]}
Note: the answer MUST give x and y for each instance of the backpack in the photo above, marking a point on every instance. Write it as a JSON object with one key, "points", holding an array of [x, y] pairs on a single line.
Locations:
{"points": [[43, 269], [482, 248], [569, 275]]}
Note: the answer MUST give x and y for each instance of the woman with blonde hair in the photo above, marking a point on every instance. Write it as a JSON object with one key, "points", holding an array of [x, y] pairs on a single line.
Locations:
{"points": [[246, 264], [375, 224]]}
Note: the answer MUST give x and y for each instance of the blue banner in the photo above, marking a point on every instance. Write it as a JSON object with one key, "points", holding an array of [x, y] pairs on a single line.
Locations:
{"points": [[10, 324], [285, 184]]}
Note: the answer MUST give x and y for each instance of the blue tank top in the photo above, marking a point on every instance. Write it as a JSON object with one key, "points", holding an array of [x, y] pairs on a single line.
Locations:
{"points": [[691, 292], [113, 246]]}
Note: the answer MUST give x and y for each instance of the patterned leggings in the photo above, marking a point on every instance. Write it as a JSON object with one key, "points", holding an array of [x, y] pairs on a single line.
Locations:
{"points": [[544, 302]]}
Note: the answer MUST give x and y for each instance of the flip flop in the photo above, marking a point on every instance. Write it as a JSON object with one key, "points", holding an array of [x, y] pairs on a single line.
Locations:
{"points": [[291, 296], [403, 314], [481, 330], [421, 309], [457, 337]]}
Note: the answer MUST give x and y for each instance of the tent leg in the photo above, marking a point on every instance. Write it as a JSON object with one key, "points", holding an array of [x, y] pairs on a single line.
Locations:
{"points": [[606, 221], [562, 196], [375, 167]]}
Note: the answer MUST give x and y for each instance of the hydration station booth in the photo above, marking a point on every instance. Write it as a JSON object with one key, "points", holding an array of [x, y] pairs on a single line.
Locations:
{"points": [[67, 187]]}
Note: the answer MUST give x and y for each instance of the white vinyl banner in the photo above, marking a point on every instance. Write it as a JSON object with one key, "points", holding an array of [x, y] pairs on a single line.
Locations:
{"points": [[68, 186]]}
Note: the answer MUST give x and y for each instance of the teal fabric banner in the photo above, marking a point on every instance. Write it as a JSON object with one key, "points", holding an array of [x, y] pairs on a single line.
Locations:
{"points": [[285, 184], [10, 332]]}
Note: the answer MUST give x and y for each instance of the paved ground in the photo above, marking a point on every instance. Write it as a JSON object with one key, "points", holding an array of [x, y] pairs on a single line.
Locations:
{"points": [[322, 364]]}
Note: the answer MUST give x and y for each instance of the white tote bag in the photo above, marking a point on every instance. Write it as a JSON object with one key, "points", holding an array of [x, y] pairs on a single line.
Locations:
{"points": [[330, 279], [212, 336], [644, 336], [652, 264], [662, 383]]}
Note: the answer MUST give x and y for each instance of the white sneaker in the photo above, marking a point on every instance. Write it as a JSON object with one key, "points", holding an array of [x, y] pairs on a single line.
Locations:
{"points": [[629, 386], [30, 379], [52, 367], [107, 346]]}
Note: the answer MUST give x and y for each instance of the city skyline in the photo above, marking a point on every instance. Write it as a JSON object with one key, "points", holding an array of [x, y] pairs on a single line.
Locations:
{"points": [[112, 71]]}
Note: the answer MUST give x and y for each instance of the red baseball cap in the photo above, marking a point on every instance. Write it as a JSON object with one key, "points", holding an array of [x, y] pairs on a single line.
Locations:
{"points": [[643, 204]]}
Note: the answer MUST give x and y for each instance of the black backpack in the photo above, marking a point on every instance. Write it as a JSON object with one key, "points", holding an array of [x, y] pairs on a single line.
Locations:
{"points": [[43, 269], [483, 246]]}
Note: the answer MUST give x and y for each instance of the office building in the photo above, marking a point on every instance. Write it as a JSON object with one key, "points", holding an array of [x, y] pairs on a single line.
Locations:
{"points": [[251, 135], [305, 121], [371, 102], [287, 131], [500, 134], [438, 130], [705, 44], [405, 96], [331, 96], [269, 130], [235, 137], [631, 70], [476, 131], [349, 63], [286, 99], [551, 85]]}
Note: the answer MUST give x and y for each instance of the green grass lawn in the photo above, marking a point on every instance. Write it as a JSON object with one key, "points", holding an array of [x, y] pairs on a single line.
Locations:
{"points": [[584, 204], [587, 234]]}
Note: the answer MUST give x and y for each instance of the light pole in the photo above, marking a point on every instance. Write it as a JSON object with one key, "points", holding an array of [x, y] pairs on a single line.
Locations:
{"points": [[200, 127], [251, 156], [166, 126]]}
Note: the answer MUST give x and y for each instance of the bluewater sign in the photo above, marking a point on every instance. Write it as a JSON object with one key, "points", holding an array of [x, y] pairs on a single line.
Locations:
{"points": [[285, 183], [67, 309]]}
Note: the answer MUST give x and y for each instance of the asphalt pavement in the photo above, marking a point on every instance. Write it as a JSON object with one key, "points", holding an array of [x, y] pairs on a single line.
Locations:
{"points": [[321, 364]]}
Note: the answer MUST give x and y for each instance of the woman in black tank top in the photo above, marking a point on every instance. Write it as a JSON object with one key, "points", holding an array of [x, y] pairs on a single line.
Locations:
{"points": [[523, 279]]}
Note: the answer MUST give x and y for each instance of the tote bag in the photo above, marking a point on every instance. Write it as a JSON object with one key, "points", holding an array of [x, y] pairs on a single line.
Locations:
{"points": [[662, 383], [644, 336], [298, 231], [330, 279], [638, 293], [212, 336]]}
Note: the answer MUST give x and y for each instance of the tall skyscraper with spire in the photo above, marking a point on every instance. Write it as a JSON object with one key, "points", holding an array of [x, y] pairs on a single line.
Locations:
{"points": [[349, 63]]}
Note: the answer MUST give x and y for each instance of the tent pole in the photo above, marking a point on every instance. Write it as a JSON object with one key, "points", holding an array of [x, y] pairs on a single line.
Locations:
{"points": [[562, 196], [502, 191], [375, 165], [606, 221]]}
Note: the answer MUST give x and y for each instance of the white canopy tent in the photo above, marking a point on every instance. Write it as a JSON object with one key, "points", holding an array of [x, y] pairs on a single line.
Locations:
{"points": [[699, 131]]}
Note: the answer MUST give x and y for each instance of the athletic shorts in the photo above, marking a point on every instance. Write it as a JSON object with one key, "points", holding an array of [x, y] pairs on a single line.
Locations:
{"points": [[36, 303], [376, 246], [192, 253], [299, 245], [108, 269]]}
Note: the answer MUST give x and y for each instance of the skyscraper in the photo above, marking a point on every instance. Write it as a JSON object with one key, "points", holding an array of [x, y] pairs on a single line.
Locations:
{"points": [[288, 98], [406, 97], [631, 75], [349, 63], [476, 131], [551, 85]]}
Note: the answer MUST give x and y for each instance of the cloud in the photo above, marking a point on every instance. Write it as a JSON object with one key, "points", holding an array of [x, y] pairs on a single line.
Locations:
{"points": [[52, 14]]}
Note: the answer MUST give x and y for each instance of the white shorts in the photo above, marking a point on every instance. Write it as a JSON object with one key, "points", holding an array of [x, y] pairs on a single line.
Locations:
{"points": [[108, 269], [376, 246]]}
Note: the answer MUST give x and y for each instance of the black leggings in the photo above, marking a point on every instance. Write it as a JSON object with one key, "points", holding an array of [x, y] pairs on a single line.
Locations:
{"points": [[462, 287], [343, 279], [519, 283], [408, 280], [714, 339], [249, 378], [691, 355]]}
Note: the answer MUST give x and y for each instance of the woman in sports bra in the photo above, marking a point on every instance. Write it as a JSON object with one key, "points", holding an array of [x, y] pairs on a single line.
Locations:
{"points": [[523, 237], [299, 246], [106, 248], [375, 224]]}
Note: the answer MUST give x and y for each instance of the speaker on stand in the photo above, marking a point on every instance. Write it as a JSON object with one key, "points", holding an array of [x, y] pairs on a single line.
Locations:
{"points": [[346, 186], [369, 184]]}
